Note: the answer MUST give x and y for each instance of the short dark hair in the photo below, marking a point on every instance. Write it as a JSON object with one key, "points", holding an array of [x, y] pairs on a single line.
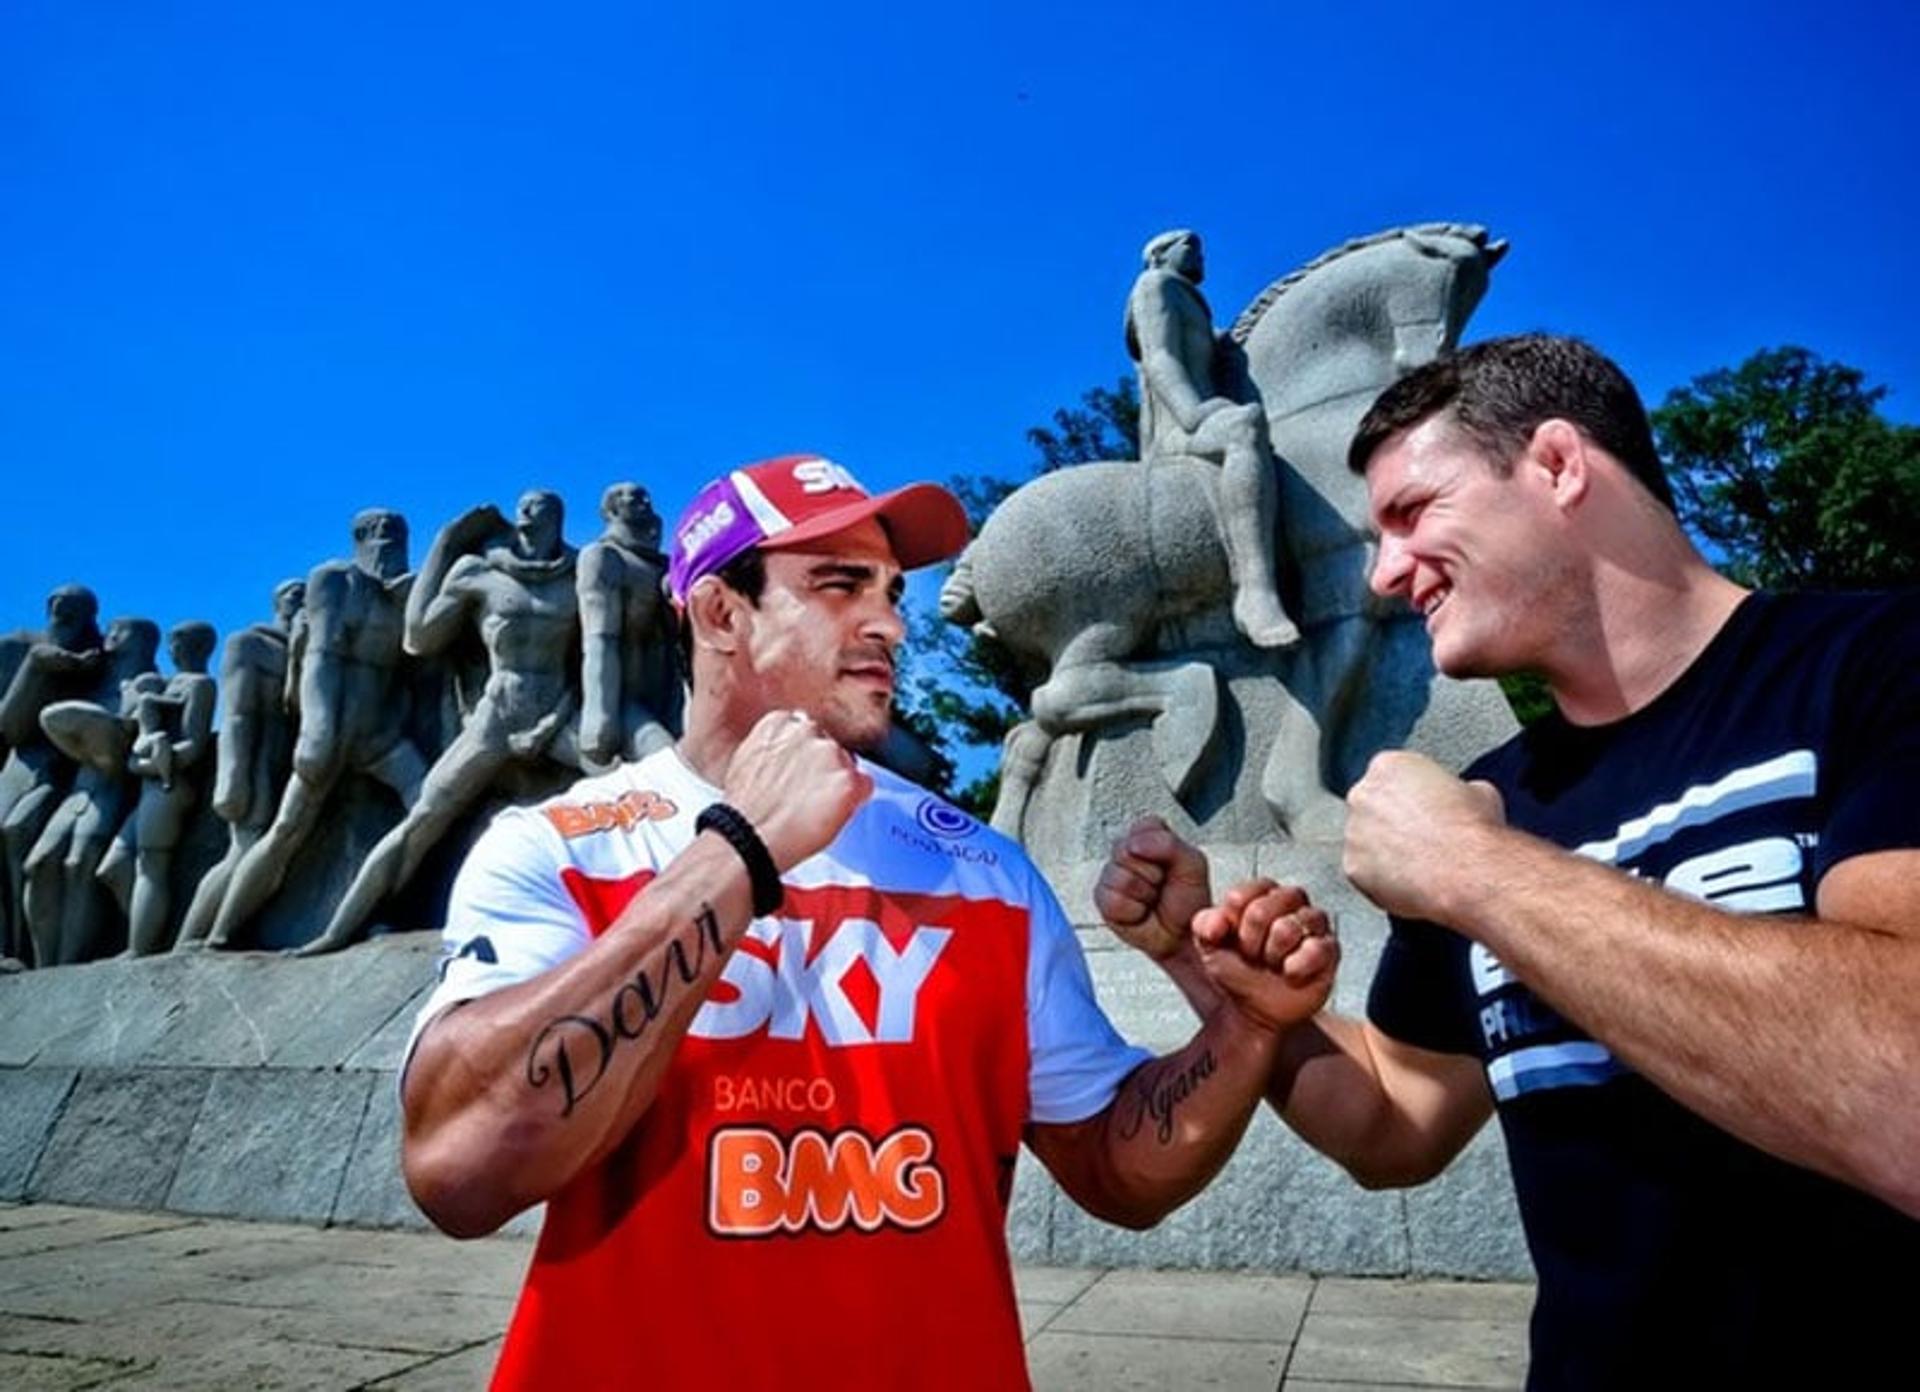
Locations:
{"points": [[745, 574], [1498, 392]]}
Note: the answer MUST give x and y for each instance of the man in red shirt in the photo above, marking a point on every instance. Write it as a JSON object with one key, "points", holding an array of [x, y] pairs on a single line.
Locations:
{"points": [[764, 1025]]}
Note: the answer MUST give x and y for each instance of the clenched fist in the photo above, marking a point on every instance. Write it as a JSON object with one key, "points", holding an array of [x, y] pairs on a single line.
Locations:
{"points": [[1151, 887], [796, 784], [1270, 952], [1412, 829]]}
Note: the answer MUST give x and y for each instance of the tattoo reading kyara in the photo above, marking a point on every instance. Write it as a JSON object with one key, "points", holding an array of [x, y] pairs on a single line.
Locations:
{"points": [[637, 1004], [1158, 1093]]}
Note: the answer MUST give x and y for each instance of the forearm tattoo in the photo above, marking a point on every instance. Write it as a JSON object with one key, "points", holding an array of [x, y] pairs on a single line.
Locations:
{"points": [[574, 1050], [1156, 1092]]}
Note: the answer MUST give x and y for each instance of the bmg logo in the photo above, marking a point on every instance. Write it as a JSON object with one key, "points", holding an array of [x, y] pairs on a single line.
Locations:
{"points": [[760, 1184]]}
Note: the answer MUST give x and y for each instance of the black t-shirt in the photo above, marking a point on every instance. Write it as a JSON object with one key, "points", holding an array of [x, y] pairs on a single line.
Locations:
{"points": [[1669, 1252]]}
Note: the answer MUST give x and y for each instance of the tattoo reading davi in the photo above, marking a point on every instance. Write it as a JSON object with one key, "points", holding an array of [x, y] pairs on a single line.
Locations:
{"points": [[574, 1050]]}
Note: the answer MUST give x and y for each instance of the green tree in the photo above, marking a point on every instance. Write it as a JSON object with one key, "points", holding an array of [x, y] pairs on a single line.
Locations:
{"points": [[964, 693], [1786, 468]]}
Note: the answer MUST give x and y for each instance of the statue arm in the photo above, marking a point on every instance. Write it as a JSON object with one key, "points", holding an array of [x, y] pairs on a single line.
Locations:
{"points": [[598, 586], [196, 723], [437, 603], [20, 706], [319, 676], [433, 624], [296, 658]]}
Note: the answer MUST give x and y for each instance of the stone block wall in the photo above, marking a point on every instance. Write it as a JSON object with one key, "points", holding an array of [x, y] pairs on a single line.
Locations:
{"points": [[264, 1087]]}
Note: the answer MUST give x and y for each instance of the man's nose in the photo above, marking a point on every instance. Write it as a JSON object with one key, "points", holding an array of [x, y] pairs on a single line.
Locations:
{"points": [[886, 623], [1392, 567]]}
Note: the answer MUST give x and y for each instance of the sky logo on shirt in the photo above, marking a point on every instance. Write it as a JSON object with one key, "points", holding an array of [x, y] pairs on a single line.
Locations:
{"points": [[777, 988]]}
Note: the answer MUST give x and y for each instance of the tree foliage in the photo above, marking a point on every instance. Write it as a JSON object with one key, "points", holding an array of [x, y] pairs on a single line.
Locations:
{"points": [[1786, 468]]}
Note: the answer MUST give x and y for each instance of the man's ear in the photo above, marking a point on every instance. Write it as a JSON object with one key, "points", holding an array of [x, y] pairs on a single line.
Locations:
{"points": [[715, 611], [1563, 457]]}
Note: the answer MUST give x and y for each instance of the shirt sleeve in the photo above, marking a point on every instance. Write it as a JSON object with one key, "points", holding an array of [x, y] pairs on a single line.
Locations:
{"points": [[1418, 996], [509, 917], [1873, 760], [1077, 1060]]}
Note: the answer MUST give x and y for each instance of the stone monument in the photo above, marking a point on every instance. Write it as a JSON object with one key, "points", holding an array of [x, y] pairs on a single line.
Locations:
{"points": [[173, 735], [254, 749], [1117, 589], [630, 672], [1184, 413], [58, 664], [352, 709], [67, 911], [1113, 582], [516, 586]]}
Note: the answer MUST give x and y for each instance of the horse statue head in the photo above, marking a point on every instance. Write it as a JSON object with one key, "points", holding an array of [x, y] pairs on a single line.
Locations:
{"points": [[1317, 346]]}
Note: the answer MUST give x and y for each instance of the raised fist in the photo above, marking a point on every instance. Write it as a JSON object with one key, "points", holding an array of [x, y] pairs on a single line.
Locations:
{"points": [[1151, 887], [796, 784]]}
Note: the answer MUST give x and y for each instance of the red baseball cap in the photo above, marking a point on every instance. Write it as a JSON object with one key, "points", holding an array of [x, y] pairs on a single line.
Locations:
{"points": [[797, 498]]}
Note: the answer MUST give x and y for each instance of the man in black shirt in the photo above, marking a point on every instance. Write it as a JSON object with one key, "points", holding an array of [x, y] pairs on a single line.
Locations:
{"points": [[1671, 933]]}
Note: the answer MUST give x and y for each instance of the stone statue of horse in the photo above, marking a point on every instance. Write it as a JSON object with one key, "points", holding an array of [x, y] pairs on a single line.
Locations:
{"points": [[1111, 578]]}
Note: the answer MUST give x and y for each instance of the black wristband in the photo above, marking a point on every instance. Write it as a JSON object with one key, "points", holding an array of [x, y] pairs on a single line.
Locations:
{"points": [[739, 833]]}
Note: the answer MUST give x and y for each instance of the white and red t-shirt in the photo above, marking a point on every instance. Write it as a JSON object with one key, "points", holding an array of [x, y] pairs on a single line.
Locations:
{"points": [[818, 1195]]}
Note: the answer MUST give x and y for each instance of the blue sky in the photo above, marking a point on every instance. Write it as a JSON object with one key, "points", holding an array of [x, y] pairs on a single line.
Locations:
{"points": [[264, 265]]}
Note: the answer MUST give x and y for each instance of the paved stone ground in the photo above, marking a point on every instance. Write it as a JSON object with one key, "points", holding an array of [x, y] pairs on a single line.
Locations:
{"points": [[98, 1298]]}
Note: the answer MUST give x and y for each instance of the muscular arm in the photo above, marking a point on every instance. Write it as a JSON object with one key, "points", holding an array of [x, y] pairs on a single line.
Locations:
{"points": [[1389, 1113], [320, 681], [509, 1097], [1167, 1131], [1175, 1121], [25, 695], [1800, 1035], [441, 600]]}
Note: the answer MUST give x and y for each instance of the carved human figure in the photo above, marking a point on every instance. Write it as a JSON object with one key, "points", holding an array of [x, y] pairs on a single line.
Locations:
{"points": [[519, 593], [1182, 412], [630, 677], [173, 733], [254, 747], [351, 706], [67, 913], [60, 664]]}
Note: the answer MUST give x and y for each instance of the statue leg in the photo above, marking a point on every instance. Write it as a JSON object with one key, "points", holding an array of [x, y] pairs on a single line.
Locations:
{"points": [[1022, 758], [40, 876], [19, 833], [1249, 503], [263, 868], [86, 917], [1183, 700], [1056, 701], [1294, 781], [460, 776], [198, 921], [161, 821], [116, 870], [152, 899]]}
